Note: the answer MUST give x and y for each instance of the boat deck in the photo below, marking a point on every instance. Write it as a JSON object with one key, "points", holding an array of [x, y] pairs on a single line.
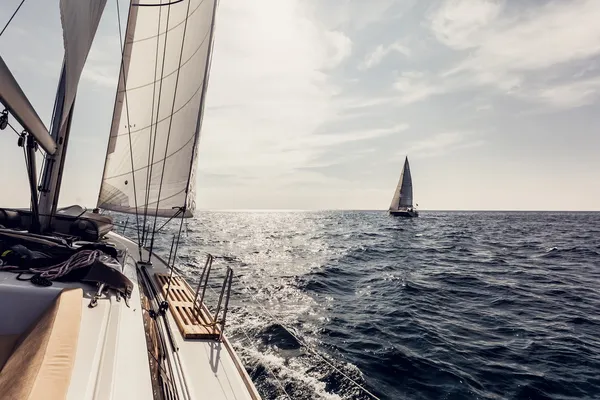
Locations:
{"points": [[211, 368], [112, 358]]}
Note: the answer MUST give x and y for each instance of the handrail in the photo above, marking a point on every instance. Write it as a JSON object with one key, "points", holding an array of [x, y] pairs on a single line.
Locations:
{"points": [[222, 304]]}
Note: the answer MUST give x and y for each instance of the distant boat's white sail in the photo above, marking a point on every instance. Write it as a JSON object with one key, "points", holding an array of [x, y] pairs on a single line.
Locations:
{"points": [[159, 107], [403, 196]]}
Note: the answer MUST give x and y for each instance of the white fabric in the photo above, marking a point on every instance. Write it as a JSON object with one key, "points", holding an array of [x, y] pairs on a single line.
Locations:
{"points": [[403, 196], [160, 112], [15, 100], [80, 19]]}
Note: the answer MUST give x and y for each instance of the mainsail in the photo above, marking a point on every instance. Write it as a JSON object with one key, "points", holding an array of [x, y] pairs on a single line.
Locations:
{"points": [[403, 196], [151, 157]]}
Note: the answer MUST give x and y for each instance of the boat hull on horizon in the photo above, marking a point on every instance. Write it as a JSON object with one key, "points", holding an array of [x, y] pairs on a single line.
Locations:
{"points": [[404, 213]]}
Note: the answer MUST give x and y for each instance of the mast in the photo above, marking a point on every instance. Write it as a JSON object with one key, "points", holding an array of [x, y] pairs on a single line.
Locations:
{"points": [[80, 19], [54, 163]]}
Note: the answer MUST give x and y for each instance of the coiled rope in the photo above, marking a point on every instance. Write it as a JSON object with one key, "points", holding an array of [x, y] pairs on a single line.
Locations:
{"points": [[81, 259]]}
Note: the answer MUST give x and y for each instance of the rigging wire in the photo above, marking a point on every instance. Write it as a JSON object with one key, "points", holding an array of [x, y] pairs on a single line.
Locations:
{"points": [[266, 366], [13, 128], [304, 344], [12, 16], [187, 14], [129, 130], [152, 143]]}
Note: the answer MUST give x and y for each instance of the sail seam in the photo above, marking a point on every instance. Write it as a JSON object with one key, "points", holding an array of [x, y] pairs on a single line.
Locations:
{"points": [[167, 29], [163, 199], [175, 70], [165, 118], [154, 162]]}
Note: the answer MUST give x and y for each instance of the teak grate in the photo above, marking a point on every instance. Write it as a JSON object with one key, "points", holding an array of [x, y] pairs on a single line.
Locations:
{"points": [[192, 323]]}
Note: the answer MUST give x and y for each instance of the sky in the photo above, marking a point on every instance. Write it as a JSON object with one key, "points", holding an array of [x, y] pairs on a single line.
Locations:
{"points": [[313, 104]]}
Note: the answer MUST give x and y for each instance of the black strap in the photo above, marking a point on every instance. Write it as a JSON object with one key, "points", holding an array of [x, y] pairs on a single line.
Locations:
{"points": [[36, 279]]}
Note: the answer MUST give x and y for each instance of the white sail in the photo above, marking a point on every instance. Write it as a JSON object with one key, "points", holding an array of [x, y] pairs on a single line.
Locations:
{"points": [[80, 21], [403, 196], [159, 107]]}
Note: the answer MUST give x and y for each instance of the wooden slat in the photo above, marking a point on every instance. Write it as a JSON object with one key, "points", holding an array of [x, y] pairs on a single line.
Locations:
{"points": [[192, 324]]}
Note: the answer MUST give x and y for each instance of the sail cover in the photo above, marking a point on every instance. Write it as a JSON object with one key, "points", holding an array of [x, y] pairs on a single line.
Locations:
{"points": [[158, 109], [80, 19], [403, 196]]}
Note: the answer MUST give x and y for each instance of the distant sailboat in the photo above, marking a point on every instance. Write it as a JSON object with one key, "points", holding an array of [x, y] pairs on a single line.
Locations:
{"points": [[402, 203]]}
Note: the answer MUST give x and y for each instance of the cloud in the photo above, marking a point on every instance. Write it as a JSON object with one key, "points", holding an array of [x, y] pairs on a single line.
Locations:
{"points": [[355, 15], [270, 88], [528, 53], [416, 86], [570, 94], [458, 23], [442, 143], [336, 138], [376, 56]]}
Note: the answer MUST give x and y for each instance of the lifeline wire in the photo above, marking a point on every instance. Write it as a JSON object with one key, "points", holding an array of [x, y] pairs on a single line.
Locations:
{"points": [[358, 385], [11, 18]]}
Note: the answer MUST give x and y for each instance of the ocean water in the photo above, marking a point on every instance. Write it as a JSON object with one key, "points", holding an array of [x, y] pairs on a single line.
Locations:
{"points": [[450, 305]]}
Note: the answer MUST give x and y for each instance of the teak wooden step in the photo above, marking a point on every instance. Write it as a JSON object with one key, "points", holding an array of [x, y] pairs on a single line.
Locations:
{"points": [[193, 324]]}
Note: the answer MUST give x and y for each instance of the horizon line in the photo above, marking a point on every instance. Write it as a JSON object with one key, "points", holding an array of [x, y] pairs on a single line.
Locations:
{"points": [[383, 210]]}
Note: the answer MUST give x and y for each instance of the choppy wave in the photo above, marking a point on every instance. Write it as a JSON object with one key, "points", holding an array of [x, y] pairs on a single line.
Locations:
{"points": [[444, 306]]}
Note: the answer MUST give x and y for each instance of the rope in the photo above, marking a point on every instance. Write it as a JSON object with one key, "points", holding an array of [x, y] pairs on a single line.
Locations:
{"points": [[311, 349], [266, 366], [269, 369], [12, 16], [13, 128], [81, 259]]}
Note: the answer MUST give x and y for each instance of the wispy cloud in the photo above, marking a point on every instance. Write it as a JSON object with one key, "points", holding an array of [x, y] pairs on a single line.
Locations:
{"points": [[528, 53], [355, 14], [376, 56], [103, 63], [443, 143], [271, 70], [416, 86]]}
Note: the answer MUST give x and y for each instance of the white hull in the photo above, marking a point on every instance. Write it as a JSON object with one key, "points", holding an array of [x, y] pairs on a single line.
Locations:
{"points": [[111, 359]]}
